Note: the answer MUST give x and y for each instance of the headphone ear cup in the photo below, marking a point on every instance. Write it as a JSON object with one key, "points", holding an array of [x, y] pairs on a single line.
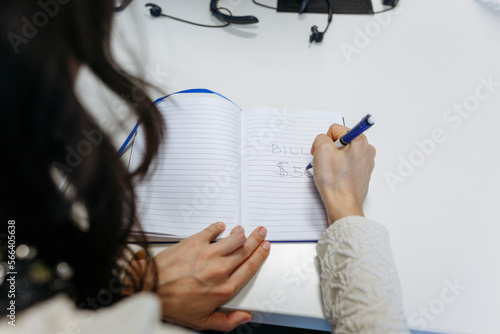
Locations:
{"points": [[155, 10], [316, 35], [319, 37]]}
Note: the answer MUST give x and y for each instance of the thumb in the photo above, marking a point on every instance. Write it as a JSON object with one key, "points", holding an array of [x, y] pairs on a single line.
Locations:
{"points": [[320, 141], [336, 131], [227, 322]]}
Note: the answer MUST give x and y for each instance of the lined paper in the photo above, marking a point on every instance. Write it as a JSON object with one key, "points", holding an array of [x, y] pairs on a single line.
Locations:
{"points": [[195, 179], [220, 164], [277, 192]]}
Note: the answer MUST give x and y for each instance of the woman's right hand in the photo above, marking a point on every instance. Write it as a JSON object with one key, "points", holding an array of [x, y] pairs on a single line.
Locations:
{"points": [[342, 175]]}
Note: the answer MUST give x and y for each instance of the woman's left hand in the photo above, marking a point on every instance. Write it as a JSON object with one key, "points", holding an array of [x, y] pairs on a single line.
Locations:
{"points": [[196, 276]]}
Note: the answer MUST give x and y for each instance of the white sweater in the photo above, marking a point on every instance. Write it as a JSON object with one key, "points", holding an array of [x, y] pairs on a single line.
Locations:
{"points": [[359, 284]]}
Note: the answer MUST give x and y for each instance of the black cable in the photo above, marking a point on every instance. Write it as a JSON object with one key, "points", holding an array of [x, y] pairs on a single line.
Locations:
{"points": [[194, 23], [327, 26], [263, 5], [156, 12], [330, 15]]}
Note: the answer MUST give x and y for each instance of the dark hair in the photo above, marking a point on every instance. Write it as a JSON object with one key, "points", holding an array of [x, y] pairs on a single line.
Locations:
{"points": [[42, 43]]}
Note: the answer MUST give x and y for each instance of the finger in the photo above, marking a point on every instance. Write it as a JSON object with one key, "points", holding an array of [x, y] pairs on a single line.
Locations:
{"points": [[336, 131], [236, 229], [248, 268], [372, 166], [230, 243], [360, 140], [319, 141], [227, 322], [362, 148], [211, 232], [324, 150], [250, 245], [373, 151]]}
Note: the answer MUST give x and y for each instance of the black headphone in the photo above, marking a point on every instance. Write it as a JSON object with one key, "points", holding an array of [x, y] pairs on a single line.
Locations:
{"points": [[249, 19], [316, 35], [156, 11]]}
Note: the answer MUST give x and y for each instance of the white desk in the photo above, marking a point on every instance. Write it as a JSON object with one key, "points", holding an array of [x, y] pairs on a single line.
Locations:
{"points": [[426, 57]]}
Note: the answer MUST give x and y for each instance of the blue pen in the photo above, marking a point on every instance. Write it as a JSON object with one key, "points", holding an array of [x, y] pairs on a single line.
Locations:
{"points": [[365, 123]]}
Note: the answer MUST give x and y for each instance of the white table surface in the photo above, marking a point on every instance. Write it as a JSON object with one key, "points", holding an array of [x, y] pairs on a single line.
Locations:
{"points": [[416, 63]]}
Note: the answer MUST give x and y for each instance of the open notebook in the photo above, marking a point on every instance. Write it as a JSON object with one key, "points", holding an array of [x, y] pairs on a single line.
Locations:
{"points": [[219, 163]]}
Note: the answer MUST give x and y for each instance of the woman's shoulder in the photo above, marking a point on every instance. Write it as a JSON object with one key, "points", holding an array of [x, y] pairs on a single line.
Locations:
{"points": [[140, 313]]}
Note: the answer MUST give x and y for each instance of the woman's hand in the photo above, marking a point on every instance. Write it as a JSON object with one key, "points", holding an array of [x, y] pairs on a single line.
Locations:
{"points": [[196, 276], [342, 175]]}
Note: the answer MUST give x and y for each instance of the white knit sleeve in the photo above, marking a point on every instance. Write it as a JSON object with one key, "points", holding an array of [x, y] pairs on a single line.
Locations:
{"points": [[359, 283]]}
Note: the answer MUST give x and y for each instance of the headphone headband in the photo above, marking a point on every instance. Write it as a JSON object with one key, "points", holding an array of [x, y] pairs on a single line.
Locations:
{"points": [[249, 19]]}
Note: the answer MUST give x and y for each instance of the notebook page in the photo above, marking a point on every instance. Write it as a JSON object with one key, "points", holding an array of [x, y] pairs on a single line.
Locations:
{"points": [[195, 179], [277, 192]]}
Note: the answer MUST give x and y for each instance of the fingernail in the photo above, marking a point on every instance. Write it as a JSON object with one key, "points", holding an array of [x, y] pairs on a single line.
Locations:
{"points": [[266, 245], [241, 228], [262, 231], [221, 224], [245, 321]]}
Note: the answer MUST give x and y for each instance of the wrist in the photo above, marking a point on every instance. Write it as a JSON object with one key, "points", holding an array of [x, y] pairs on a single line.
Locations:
{"points": [[139, 276], [338, 207], [341, 212]]}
